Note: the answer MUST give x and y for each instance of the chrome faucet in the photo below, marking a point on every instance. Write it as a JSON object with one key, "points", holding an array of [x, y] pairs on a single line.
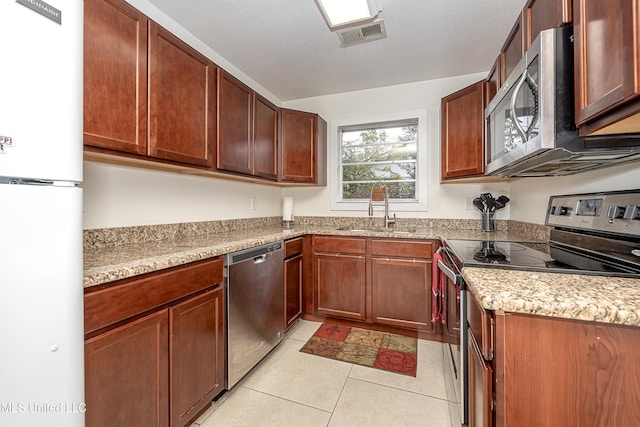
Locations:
{"points": [[381, 188]]}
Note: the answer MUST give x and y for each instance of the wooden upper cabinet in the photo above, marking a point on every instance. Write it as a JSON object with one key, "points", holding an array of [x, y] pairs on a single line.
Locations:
{"points": [[247, 130], [182, 106], [235, 115], [607, 64], [265, 138], [303, 147], [493, 82], [512, 50], [462, 133], [540, 15], [115, 76]]}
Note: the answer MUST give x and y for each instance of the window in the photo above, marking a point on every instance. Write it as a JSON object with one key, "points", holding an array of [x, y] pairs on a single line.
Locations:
{"points": [[381, 150]]}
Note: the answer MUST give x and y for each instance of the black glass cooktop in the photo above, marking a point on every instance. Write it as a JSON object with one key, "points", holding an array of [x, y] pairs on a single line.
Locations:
{"points": [[490, 253], [537, 257]]}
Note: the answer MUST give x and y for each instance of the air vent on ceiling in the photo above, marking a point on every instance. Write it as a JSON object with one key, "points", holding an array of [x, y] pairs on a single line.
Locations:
{"points": [[364, 34]]}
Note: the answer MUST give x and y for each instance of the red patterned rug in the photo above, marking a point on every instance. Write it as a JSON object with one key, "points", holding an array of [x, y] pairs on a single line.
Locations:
{"points": [[375, 349]]}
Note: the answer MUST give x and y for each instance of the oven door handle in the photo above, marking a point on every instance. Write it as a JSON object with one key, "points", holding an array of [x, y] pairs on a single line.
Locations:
{"points": [[456, 278]]}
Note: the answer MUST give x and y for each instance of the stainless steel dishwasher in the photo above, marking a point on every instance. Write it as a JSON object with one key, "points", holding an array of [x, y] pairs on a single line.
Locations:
{"points": [[255, 306]]}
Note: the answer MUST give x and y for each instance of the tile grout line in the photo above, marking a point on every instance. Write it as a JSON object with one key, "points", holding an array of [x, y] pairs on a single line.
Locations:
{"points": [[401, 389], [287, 400], [341, 391]]}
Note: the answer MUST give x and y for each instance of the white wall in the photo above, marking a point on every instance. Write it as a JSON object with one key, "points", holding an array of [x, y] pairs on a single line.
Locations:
{"points": [[443, 200], [118, 196], [531, 195]]}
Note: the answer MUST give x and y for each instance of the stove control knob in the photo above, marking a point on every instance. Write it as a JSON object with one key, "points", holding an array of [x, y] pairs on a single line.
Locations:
{"points": [[615, 211], [631, 212], [559, 210]]}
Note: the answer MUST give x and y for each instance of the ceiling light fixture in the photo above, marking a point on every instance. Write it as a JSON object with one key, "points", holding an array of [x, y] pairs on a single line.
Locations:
{"points": [[340, 14]]}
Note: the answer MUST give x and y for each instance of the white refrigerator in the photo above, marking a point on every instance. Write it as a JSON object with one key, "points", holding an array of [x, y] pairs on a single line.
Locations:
{"points": [[41, 292]]}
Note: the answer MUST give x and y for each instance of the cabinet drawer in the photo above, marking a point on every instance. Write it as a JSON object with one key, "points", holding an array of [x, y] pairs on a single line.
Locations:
{"points": [[339, 245], [480, 325], [292, 247], [401, 248], [106, 306]]}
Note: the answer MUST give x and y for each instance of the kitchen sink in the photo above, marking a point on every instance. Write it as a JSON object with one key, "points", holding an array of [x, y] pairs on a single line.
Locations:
{"points": [[390, 230]]}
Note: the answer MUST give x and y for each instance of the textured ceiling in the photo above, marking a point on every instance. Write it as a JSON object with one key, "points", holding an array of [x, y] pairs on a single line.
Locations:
{"points": [[286, 47]]}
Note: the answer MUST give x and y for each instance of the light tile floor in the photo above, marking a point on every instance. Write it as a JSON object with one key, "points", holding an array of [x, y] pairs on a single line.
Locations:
{"points": [[293, 389]]}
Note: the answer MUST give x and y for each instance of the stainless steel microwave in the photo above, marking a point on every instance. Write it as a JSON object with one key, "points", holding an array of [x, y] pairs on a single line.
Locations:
{"points": [[530, 125]]}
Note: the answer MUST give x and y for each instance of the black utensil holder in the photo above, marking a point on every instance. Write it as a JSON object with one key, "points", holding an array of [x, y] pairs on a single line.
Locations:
{"points": [[488, 223]]}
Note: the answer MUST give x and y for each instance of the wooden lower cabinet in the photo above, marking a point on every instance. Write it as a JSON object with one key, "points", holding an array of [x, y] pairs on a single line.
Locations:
{"points": [[340, 285], [382, 281], [293, 280], [197, 349], [401, 290], [537, 371], [480, 386], [561, 372], [155, 347], [127, 375]]}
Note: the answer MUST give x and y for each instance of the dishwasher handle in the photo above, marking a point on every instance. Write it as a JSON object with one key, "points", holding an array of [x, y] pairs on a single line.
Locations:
{"points": [[257, 254], [260, 259]]}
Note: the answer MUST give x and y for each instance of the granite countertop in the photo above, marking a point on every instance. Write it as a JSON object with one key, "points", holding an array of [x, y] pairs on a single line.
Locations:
{"points": [[108, 264], [571, 296], [590, 298]]}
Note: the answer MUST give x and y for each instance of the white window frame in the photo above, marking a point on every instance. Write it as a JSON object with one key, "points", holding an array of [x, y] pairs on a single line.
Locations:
{"points": [[395, 205]]}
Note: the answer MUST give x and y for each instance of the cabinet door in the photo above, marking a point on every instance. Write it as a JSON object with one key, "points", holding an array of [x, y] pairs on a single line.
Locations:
{"points": [[197, 354], [234, 125], [299, 146], [512, 51], [265, 138], [540, 15], [340, 285], [115, 76], [181, 101], [462, 115], [127, 374], [564, 372], [480, 387], [493, 82], [606, 55], [292, 289], [401, 291]]}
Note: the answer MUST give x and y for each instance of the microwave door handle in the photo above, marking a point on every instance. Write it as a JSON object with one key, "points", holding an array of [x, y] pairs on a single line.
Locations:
{"points": [[516, 123], [533, 86]]}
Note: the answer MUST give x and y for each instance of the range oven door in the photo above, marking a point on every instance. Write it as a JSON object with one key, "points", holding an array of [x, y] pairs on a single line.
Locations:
{"points": [[456, 330]]}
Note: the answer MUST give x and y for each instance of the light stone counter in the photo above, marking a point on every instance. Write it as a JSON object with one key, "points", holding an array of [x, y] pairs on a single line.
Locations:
{"points": [[570, 296], [128, 258], [114, 254]]}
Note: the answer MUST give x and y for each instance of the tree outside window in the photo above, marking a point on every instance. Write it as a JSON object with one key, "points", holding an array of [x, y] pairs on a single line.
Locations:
{"points": [[379, 153]]}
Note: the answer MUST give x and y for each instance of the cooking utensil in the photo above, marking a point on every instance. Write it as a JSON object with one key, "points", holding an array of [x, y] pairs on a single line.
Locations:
{"points": [[477, 202], [501, 202], [503, 199]]}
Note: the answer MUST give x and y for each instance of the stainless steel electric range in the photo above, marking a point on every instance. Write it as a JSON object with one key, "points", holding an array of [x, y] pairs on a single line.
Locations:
{"points": [[594, 234]]}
